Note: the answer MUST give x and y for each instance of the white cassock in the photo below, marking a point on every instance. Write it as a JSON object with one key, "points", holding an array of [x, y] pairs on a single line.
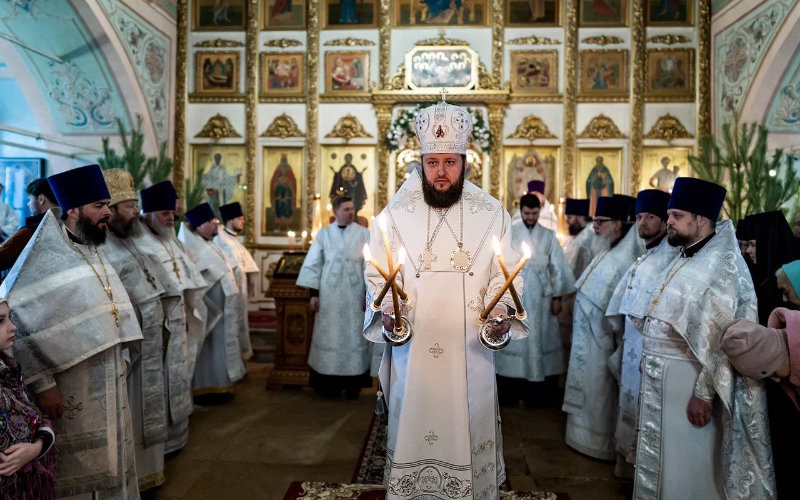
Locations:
{"points": [[731, 457], [246, 272], [444, 428], [546, 275], [334, 265], [547, 216], [579, 250], [219, 362], [641, 279], [9, 220], [590, 396]]}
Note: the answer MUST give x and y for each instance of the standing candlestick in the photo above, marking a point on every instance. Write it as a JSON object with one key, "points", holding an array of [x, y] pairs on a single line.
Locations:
{"points": [[526, 255], [290, 235], [500, 260], [304, 234]]}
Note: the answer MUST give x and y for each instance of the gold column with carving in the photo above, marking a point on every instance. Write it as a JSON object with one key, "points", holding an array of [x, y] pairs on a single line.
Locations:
{"points": [[498, 40], [703, 78], [179, 147], [570, 94], [497, 113], [251, 118], [638, 55], [384, 112], [385, 44], [312, 108]]}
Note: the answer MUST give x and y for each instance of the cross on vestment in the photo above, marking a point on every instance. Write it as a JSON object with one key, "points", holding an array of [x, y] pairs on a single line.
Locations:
{"points": [[427, 258]]}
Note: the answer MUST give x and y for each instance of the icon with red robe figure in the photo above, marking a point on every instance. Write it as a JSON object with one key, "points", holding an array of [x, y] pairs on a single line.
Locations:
{"points": [[283, 194]]}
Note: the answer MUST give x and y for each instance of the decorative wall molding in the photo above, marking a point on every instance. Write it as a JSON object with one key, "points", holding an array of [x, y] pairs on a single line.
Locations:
{"points": [[181, 48], [385, 44], [219, 43], [441, 40], [531, 128], [668, 128], [601, 127], [533, 40], [669, 39], [283, 43], [603, 40], [349, 42], [348, 127], [283, 126], [638, 72], [251, 117], [218, 127]]}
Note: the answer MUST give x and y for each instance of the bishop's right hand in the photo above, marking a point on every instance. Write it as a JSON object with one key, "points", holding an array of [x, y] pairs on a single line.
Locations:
{"points": [[51, 402]]}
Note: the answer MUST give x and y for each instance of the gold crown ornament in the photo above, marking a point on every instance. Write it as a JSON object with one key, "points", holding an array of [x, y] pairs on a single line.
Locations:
{"points": [[120, 185], [443, 128]]}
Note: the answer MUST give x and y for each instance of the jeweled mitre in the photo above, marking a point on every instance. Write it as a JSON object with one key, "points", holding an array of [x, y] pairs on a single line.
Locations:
{"points": [[443, 128]]}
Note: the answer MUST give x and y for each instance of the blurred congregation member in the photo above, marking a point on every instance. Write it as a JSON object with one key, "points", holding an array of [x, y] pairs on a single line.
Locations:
{"points": [[40, 200], [714, 446], [219, 362], [547, 277], [590, 396], [333, 271], [246, 271], [9, 220], [627, 308], [73, 320]]}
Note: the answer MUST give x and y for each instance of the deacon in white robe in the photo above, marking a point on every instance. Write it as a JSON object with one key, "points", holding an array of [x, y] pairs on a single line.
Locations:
{"points": [[703, 426], [146, 390], [639, 280], [548, 218], [547, 278], [246, 269], [219, 361], [333, 271], [590, 397], [444, 438], [73, 320]]}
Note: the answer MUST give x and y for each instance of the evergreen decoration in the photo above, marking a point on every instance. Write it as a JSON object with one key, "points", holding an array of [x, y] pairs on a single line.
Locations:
{"points": [[195, 192], [403, 128], [133, 158], [755, 181]]}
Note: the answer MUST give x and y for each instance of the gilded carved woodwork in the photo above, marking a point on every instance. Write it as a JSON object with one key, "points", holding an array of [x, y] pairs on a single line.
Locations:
{"points": [[349, 42], [498, 34], [669, 39], [218, 127], [533, 40], [531, 128], [441, 40], [601, 127], [570, 93], [704, 68], [603, 40], [181, 76], [384, 114], [348, 127], [638, 55], [219, 43], [251, 118], [283, 126], [312, 107], [283, 43], [497, 112], [384, 43], [668, 128]]}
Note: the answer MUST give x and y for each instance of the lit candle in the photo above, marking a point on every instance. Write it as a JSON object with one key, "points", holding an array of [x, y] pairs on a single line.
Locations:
{"points": [[368, 258], [500, 260], [304, 234], [401, 259], [526, 255], [290, 235]]}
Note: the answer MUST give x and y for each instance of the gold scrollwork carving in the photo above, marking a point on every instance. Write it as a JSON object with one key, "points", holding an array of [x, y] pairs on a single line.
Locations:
{"points": [[217, 99], [348, 127], [498, 34], [349, 42], [497, 112], [312, 106], [637, 92], [283, 126], [181, 49], [251, 118], [603, 40], [570, 93], [384, 43], [485, 80], [601, 127], [398, 80], [441, 40], [533, 40], [668, 128], [704, 68], [218, 127], [219, 43], [531, 128], [384, 115], [669, 39], [283, 43]]}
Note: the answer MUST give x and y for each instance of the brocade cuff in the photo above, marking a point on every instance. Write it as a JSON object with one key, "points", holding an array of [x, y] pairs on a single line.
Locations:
{"points": [[704, 387]]}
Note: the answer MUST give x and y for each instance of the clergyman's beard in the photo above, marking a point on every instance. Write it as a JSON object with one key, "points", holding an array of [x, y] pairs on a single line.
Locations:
{"points": [[165, 232], [122, 230], [442, 199], [575, 228], [677, 240], [90, 233]]}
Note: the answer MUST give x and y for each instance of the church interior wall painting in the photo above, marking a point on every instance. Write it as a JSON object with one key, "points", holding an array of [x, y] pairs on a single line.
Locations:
{"points": [[213, 15], [283, 15], [540, 13], [661, 166], [217, 73], [601, 13], [282, 73], [347, 72], [221, 170], [349, 14], [670, 73], [440, 13], [283, 190], [669, 13], [349, 169], [527, 163], [534, 71], [604, 73], [599, 174]]}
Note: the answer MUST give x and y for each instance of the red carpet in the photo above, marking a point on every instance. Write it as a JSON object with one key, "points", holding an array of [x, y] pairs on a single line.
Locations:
{"points": [[310, 490], [262, 320]]}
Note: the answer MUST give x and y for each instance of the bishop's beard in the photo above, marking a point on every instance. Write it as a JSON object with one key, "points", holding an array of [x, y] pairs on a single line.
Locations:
{"points": [[442, 199]]}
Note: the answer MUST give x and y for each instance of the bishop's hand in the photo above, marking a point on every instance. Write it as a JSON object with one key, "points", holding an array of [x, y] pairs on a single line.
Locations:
{"points": [[501, 328]]}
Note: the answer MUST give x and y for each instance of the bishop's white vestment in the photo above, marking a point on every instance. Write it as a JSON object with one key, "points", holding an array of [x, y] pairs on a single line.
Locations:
{"points": [[731, 457], [334, 265], [640, 280], [546, 275], [590, 396], [444, 425], [246, 272], [219, 361], [67, 337]]}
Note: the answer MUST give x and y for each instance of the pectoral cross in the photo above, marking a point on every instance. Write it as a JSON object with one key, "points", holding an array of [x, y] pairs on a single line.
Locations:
{"points": [[427, 258], [175, 268]]}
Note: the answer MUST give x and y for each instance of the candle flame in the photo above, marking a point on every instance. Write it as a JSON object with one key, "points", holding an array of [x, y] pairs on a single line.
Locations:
{"points": [[329, 206], [367, 253], [496, 246], [304, 234], [526, 251], [290, 234], [401, 256], [382, 221]]}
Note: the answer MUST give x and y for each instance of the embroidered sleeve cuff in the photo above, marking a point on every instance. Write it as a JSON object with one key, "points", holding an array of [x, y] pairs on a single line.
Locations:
{"points": [[704, 387], [48, 438]]}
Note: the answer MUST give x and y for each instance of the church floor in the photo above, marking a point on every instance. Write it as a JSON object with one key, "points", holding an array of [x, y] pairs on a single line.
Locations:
{"points": [[255, 445]]}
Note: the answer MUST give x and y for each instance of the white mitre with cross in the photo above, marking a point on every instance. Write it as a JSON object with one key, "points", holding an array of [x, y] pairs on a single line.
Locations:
{"points": [[443, 128]]}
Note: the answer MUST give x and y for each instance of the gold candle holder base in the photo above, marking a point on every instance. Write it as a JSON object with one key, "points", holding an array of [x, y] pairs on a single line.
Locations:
{"points": [[401, 335], [490, 340]]}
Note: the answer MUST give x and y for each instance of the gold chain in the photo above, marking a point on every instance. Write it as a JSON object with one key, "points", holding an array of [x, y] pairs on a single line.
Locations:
{"points": [[107, 285], [667, 280], [601, 257]]}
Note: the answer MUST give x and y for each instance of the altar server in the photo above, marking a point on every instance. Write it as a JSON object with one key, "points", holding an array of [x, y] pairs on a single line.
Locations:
{"points": [[547, 215]]}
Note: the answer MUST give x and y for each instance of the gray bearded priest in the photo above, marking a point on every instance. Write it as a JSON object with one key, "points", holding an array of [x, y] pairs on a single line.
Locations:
{"points": [[444, 427]]}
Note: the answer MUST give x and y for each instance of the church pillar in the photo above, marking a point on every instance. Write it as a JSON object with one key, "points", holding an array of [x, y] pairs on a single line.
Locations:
{"points": [[570, 92], [179, 148], [637, 84], [384, 112], [385, 44], [312, 108], [498, 39], [251, 119], [703, 78], [497, 113]]}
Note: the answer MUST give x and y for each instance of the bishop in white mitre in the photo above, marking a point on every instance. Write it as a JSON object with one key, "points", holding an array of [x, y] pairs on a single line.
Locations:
{"points": [[444, 437], [547, 214], [638, 281], [219, 362], [333, 271], [590, 396], [246, 269], [547, 278], [703, 427], [74, 320]]}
